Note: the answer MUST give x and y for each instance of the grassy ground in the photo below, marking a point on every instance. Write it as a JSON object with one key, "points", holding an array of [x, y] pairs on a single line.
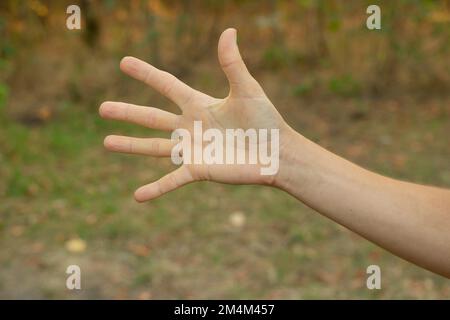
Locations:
{"points": [[58, 184]]}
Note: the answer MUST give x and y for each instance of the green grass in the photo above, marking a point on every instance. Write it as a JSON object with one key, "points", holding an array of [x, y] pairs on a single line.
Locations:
{"points": [[58, 183]]}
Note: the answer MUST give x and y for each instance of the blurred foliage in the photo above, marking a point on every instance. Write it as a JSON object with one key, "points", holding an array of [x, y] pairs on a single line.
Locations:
{"points": [[344, 85], [324, 37], [3, 95]]}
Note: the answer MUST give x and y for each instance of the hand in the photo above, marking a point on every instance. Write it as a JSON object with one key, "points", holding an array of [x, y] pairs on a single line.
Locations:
{"points": [[245, 107]]}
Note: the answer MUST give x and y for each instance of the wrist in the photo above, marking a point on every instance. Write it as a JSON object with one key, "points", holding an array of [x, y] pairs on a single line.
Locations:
{"points": [[291, 149]]}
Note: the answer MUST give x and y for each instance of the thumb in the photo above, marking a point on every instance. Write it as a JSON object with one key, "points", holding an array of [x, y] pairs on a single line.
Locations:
{"points": [[241, 81]]}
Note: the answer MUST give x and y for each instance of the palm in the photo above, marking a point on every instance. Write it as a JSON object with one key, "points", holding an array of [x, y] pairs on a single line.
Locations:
{"points": [[245, 107]]}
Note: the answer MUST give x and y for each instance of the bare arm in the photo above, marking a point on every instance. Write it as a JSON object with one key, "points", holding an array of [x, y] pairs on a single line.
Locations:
{"points": [[412, 221]]}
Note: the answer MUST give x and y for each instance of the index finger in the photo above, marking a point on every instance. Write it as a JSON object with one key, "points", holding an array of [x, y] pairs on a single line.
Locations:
{"points": [[162, 81]]}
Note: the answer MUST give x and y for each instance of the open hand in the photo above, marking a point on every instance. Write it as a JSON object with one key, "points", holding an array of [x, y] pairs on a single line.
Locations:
{"points": [[246, 106]]}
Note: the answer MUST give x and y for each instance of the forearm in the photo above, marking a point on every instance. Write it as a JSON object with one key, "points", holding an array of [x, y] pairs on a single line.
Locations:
{"points": [[410, 220]]}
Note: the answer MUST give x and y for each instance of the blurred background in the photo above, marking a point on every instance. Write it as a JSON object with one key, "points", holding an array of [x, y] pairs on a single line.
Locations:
{"points": [[379, 98]]}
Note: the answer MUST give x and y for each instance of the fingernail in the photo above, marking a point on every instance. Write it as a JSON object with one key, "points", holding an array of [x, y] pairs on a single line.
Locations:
{"points": [[129, 64], [235, 35]]}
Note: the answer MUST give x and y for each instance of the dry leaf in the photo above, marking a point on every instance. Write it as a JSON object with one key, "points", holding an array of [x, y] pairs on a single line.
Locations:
{"points": [[237, 219], [17, 231], [139, 249], [76, 245]]}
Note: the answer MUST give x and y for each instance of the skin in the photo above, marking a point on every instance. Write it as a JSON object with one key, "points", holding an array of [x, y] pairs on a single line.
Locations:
{"points": [[412, 221]]}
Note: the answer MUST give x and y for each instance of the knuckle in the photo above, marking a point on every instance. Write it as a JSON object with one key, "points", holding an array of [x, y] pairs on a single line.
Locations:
{"points": [[127, 112], [189, 98], [230, 63], [168, 86], [148, 76], [159, 188], [174, 183], [130, 146], [155, 147], [151, 119]]}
